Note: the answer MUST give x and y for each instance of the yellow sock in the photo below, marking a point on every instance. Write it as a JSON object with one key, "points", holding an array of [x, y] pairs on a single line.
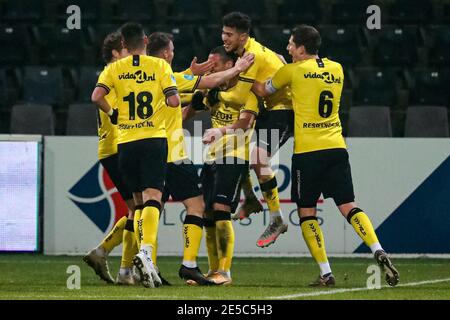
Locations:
{"points": [[192, 236], [129, 248], [150, 222], [269, 190], [225, 243], [314, 239], [247, 187], [363, 227], [114, 237], [211, 244], [137, 217]]}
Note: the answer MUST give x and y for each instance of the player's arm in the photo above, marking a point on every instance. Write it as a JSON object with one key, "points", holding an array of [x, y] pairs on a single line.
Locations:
{"points": [[281, 79], [218, 78], [258, 88], [102, 88], [199, 69], [246, 119], [169, 86]]}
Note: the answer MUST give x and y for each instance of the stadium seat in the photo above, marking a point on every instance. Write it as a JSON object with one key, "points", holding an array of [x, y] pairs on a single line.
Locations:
{"points": [[97, 34], [32, 119], [256, 12], [430, 86], [92, 11], [276, 38], [439, 52], [44, 85], [394, 46], [369, 121], [426, 121], [291, 13], [342, 44], [16, 45], [82, 120], [23, 11], [410, 11], [87, 80], [9, 87], [189, 11], [349, 11], [60, 46], [136, 10], [203, 117], [376, 86]]}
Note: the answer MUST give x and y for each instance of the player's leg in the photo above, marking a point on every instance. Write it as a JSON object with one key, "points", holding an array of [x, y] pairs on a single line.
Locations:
{"points": [[184, 184], [251, 203], [273, 129], [306, 177], [97, 257], [343, 195], [226, 197], [208, 183]]}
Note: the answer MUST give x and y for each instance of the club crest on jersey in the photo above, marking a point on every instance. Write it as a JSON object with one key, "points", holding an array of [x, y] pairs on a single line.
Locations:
{"points": [[140, 76], [97, 198], [326, 76]]}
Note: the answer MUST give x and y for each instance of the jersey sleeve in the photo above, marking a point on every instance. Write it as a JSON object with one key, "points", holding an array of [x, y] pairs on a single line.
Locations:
{"points": [[281, 79], [186, 83], [251, 104], [105, 79], [168, 82]]}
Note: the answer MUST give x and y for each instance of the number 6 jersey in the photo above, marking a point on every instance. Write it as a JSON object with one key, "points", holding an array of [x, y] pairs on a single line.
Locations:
{"points": [[141, 84], [316, 87]]}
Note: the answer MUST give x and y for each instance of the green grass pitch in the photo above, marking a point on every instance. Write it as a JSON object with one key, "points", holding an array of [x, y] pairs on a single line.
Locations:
{"points": [[28, 276]]}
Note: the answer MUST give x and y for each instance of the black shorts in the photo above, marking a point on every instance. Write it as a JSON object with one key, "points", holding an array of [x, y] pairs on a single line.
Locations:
{"points": [[182, 182], [273, 129], [325, 171], [222, 183], [143, 163], [111, 165]]}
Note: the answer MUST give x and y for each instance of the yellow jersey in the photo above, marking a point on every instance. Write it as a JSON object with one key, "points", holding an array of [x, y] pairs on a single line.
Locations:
{"points": [[186, 83], [107, 132], [316, 86], [141, 84], [266, 64], [235, 145]]}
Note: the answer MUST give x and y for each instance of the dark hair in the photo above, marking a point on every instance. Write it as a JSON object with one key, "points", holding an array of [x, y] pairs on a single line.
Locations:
{"points": [[308, 37], [113, 41], [238, 20], [158, 41], [133, 35], [224, 54]]}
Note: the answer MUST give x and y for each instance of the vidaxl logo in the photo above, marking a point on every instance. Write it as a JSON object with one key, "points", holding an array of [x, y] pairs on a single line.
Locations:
{"points": [[97, 197]]}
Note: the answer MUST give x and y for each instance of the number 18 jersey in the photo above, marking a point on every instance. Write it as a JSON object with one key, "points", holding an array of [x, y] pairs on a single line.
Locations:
{"points": [[316, 87], [141, 84]]}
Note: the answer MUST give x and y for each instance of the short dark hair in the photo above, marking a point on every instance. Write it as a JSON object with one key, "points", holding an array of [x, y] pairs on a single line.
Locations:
{"points": [[133, 35], [113, 41], [238, 20], [158, 41], [224, 54], [308, 37]]}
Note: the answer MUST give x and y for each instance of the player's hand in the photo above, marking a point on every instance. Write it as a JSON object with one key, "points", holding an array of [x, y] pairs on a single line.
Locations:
{"points": [[197, 101], [211, 135], [245, 62], [114, 117], [213, 96], [200, 69]]}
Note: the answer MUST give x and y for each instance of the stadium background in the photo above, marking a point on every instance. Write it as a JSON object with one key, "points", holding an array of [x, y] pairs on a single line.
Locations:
{"points": [[396, 87]]}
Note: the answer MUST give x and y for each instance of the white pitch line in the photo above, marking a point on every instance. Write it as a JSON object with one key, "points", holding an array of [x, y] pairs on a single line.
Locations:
{"points": [[328, 292]]}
